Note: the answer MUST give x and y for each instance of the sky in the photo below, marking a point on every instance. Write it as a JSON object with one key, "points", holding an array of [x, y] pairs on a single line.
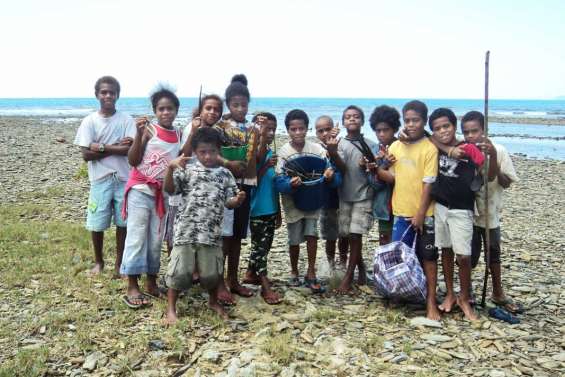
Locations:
{"points": [[291, 48]]}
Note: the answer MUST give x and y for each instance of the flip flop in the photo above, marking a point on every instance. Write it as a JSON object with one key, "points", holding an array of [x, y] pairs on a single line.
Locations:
{"points": [[128, 300], [509, 305], [310, 283], [151, 295], [503, 315], [294, 281]]}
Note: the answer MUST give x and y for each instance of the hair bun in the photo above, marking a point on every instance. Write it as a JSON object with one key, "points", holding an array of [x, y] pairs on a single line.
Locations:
{"points": [[239, 78]]}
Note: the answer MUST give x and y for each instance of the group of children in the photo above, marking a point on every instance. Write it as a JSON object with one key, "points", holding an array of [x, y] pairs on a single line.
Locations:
{"points": [[184, 185]]}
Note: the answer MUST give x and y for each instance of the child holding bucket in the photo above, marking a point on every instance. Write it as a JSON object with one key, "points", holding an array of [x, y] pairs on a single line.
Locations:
{"points": [[301, 225]]}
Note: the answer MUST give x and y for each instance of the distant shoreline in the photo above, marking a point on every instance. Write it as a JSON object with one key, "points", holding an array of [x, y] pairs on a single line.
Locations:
{"points": [[492, 119]]}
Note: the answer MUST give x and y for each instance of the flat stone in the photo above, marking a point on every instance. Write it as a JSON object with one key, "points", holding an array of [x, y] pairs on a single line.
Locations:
{"points": [[436, 338], [423, 321], [94, 360]]}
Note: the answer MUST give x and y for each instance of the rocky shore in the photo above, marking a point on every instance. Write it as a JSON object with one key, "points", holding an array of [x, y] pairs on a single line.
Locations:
{"points": [[51, 311]]}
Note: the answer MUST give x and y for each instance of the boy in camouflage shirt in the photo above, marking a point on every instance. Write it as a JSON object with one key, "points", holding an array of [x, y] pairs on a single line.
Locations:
{"points": [[205, 188]]}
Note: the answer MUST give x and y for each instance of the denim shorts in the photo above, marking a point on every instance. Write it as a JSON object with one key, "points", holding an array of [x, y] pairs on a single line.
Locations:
{"points": [[104, 203], [145, 232]]}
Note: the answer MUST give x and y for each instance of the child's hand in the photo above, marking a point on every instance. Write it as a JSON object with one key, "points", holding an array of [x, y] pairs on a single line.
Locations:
{"points": [[390, 158], [487, 147], [329, 174], [260, 120], [418, 223], [179, 162], [272, 161], [457, 153], [335, 131], [295, 182], [363, 162], [196, 123], [240, 198], [331, 145], [140, 123], [126, 141], [403, 136]]}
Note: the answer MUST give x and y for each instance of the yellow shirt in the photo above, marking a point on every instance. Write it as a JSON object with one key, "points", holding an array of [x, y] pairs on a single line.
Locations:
{"points": [[415, 165]]}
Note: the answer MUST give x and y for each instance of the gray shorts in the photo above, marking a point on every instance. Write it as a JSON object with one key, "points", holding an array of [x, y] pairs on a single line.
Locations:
{"points": [[355, 217], [328, 224], [184, 259], [300, 229]]}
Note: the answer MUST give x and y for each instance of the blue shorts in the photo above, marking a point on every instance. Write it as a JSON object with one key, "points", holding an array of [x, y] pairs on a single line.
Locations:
{"points": [[104, 202], [425, 244]]}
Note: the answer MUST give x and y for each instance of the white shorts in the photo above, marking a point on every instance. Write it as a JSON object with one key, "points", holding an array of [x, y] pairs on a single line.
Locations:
{"points": [[454, 229]]}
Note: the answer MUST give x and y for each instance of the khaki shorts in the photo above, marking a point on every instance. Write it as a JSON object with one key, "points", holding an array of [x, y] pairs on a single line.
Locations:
{"points": [[300, 229], [184, 259], [355, 217], [454, 229]]}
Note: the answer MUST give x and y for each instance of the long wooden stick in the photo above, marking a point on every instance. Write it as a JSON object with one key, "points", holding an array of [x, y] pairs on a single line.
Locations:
{"points": [[487, 163]]}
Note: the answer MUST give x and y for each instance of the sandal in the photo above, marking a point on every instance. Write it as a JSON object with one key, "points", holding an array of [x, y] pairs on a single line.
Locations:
{"points": [[312, 283], [294, 281], [503, 315], [509, 305], [129, 301]]}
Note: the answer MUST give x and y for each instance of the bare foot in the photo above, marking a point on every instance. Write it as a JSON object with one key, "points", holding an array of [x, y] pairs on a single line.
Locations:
{"points": [[219, 310], [152, 289], [344, 287], [170, 318], [225, 297], [467, 309], [432, 311], [448, 303], [251, 278], [97, 269], [271, 297], [240, 290]]}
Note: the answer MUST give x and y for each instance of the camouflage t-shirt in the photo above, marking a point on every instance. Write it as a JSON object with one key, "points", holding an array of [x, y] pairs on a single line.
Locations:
{"points": [[204, 193]]}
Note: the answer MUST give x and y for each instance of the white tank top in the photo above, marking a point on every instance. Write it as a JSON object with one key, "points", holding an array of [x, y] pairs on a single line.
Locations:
{"points": [[163, 147]]}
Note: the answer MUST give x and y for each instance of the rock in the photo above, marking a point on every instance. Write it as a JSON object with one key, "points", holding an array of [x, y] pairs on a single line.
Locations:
{"points": [[497, 373], [147, 373], [210, 355], [559, 357], [423, 321], [436, 338], [156, 345], [94, 360], [400, 358], [233, 367], [387, 345], [282, 326]]}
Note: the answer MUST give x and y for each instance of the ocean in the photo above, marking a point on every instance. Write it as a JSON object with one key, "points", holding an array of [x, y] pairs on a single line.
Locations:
{"points": [[531, 139]]}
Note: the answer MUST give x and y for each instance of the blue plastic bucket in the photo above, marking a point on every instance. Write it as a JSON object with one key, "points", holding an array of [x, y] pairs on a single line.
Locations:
{"points": [[311, 195]]}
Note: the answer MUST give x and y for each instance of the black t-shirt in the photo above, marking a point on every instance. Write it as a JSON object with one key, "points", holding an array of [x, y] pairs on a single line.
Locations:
{"points": [[452, 187]]}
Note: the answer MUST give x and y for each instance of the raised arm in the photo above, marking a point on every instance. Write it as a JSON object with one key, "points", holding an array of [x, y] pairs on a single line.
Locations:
{"points": [[135, 154]]}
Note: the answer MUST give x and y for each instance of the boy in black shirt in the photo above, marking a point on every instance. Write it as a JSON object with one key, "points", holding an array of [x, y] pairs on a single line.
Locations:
{"points": [[454, 194]]}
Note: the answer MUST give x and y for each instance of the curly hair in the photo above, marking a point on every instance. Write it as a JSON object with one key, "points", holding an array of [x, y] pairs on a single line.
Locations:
{"points": [[385, 114], [237, 87]]}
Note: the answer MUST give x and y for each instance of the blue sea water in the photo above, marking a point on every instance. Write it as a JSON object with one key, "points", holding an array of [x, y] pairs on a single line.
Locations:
{"points": [[533, 140]]}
